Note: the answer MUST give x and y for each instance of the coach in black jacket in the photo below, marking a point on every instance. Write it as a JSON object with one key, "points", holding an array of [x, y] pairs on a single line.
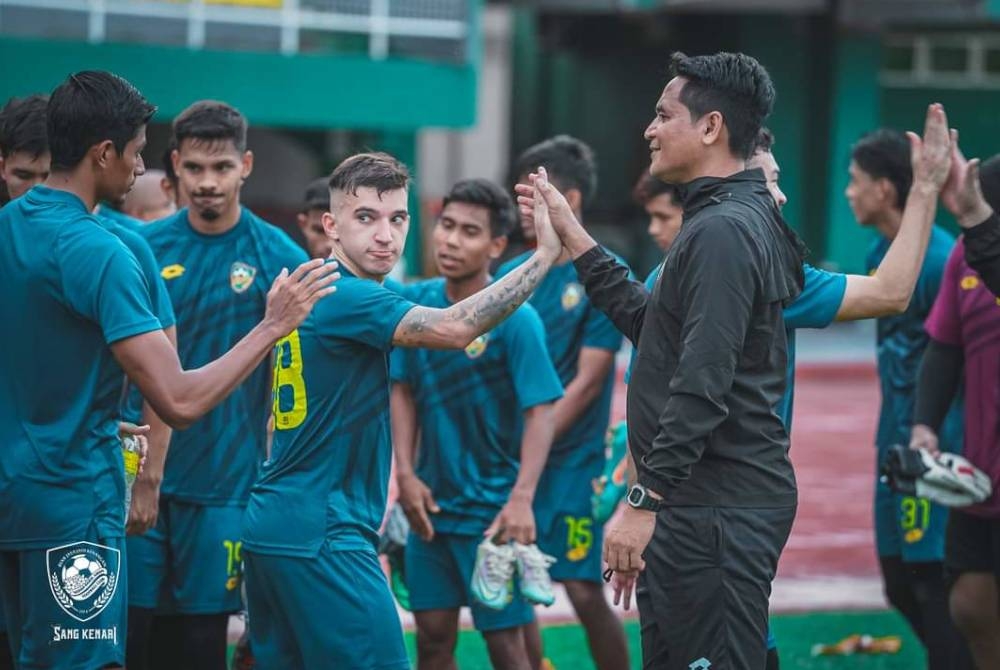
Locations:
{"points": [[716, 495]]}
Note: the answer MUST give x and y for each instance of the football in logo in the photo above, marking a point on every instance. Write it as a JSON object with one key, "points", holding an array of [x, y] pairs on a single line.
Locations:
{"points": [[477, 346], [969, 282], [572, 295], [172, 271], [83, 577], [241, 276]]}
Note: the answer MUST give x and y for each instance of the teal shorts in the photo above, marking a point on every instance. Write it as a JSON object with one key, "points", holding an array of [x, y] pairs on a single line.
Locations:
{"points": [[190, 562], [333, 610], [909, 527], [442, 574], [565, 520], [65, 605]]}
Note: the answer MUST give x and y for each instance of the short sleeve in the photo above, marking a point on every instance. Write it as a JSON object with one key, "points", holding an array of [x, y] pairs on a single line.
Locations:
{"points": [[535, 378], [944, 323], [400, 365], [364, 311], [103, 282], [820, 300], [158, 295]]}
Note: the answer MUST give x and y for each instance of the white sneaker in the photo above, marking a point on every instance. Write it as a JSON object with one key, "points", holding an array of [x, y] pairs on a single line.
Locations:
{"points": [[493, 577], [533, 567]]}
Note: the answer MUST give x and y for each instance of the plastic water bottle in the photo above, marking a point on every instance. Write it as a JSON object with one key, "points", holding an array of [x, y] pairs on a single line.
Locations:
{"points": [[131, 454]]}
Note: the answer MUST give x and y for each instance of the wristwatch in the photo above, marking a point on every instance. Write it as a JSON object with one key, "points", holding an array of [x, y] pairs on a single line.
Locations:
{"points": [[638, 497]]}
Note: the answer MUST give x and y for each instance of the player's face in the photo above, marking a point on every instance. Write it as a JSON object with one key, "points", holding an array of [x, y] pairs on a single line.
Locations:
{"points": [[766, 162], [674, 139], [311, 225], [867, 197], [20, 171], [210, 174], [463, 245], [665, 218], [119, 172], [368, 230]]}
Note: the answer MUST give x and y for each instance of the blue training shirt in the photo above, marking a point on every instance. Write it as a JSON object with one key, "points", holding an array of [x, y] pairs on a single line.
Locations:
{"points": [[470, 408], [901, 341], [571, 323], [816, 307], [72, 289], [328, 475], [218, 285]]}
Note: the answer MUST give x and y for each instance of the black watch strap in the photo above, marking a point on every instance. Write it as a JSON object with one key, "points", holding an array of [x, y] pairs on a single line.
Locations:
{"points": [[639, 498]]}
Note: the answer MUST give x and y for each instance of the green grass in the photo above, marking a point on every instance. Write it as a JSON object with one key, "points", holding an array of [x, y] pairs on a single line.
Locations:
{"points": [[566, 646]]}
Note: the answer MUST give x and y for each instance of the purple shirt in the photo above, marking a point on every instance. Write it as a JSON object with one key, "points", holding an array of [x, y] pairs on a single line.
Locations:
{"points": [[966, 314]]}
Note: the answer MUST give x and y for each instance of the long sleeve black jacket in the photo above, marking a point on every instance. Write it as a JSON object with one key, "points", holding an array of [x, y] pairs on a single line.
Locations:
{"points": [[982, 251], [712, 351]]}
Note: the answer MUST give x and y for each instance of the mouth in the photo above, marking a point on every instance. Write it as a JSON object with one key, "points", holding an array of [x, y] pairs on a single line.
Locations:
{"points": [[445, 259], [381, 255]]}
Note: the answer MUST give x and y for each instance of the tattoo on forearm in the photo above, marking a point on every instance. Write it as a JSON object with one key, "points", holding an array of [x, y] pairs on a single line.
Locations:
{"points": [[481, 311]]}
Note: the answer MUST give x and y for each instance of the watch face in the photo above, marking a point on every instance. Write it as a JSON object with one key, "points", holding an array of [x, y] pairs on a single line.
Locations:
{"points": [[636, 496]]}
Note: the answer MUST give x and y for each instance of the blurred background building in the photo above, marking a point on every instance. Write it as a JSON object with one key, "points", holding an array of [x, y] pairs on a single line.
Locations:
{"points": [[456, 87]]}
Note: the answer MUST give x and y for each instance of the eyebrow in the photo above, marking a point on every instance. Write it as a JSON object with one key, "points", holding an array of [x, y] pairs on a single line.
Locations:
{"points": [[400, 212]]}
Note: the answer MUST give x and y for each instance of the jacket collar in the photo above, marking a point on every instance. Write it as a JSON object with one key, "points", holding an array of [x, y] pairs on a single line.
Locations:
{"points": [[705, 191]]}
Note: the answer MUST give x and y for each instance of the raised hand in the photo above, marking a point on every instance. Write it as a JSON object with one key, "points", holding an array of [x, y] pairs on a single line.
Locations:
{"points": [[931, 156], [962, 194], [560, 215], [292, 296]]}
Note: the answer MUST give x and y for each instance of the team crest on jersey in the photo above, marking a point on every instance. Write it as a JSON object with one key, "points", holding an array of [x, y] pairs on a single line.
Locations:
{"points": [[241, 276], [572, 295], [477, 346], [83, 577], [172, 271]]}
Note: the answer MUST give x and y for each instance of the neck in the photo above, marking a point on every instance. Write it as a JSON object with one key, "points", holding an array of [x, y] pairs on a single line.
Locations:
{"points": [[718, 166], [888, 224], [352, 267], [459, 289], [226, 222], [77, 182]]}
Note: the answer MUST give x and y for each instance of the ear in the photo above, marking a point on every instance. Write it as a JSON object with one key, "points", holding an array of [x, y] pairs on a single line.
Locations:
{"points": [[247, 164], [497, 246], [3, 164], [175, 160], [302, 220], [887, 191], [712, 127], [330, 226], [574, 198], [104, 153]]}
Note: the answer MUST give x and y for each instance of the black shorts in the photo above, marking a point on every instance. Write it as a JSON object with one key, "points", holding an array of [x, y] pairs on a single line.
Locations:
{"points": [[703, 597], [972, 544]]}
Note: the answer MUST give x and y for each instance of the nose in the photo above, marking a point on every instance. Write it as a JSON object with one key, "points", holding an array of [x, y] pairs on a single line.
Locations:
{"points": [[650, 130], [383, 233], [451, 237], [782, 199], [140, 166]]}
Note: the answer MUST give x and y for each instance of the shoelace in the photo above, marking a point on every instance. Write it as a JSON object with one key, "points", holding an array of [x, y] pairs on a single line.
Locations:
{"points": [[499, 566], [536, 562]]}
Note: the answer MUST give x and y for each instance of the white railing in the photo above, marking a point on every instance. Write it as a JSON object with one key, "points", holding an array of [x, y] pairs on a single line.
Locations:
{"points": [[378, 23]]}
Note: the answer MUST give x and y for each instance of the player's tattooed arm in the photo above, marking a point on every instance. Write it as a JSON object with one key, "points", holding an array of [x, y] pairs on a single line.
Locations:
{"points": [[456, 326]]}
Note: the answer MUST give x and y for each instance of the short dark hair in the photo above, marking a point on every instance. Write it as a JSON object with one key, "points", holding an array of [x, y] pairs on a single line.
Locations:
{"points": [[733, 84], [91, 107], [649, 187], [570, 163], [376, 170], [503, 213], [989, 181], [211, 121], [168, 164], [22, 126], [885, 154], [317, 195], [764, 141]]}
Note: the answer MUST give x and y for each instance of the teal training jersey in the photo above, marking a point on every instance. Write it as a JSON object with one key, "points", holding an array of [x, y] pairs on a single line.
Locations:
{"points": [[901, 340], [109, 213], [70, 289], [815, 307], [328, 475], [470, 407], [218, 285], [571, 323]]}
